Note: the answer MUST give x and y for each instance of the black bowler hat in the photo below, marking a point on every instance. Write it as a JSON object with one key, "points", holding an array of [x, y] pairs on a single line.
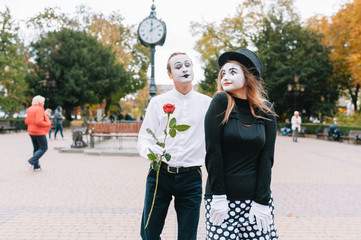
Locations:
{"points": [[244, 56]]}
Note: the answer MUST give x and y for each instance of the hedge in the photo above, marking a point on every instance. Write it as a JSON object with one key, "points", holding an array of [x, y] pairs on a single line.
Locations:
{"points": [[313, 128], [22, 125]]}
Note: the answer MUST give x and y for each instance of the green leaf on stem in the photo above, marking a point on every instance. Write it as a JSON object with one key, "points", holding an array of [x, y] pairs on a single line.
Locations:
{"points": [[151, 156], [167, 156], [172, 132], [160, 144], [151, 133], [172, 123], [182, 127], [156, 166]]}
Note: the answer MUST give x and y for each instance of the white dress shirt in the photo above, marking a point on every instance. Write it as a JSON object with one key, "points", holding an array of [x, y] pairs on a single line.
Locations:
{"points": [[186, 148]]}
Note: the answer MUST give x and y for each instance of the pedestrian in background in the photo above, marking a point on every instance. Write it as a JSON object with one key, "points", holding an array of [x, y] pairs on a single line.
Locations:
{"points": [[58, 122], [287, 128], [240, 133], [48, 112], [296, 125], [38, 126]]}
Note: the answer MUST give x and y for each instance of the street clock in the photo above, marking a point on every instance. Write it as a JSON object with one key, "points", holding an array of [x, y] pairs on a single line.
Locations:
{"points": [[152, 31]]}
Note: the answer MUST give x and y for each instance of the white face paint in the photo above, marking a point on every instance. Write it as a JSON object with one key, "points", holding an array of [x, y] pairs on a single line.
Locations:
{"points": [[232, 77], [182, 68]]}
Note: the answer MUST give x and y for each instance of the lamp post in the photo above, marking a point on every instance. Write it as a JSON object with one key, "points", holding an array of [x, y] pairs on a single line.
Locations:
{"points": [[296, 90], [47, 86]]}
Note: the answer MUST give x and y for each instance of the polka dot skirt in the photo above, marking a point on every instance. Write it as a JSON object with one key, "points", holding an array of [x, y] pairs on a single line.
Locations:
{"points": [[237, 225]]}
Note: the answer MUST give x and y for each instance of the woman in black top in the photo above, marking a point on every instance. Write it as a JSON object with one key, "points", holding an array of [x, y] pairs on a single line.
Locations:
{"points": [[240, 131]]}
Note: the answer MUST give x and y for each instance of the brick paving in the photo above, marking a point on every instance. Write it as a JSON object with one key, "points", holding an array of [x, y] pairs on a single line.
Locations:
{"points": [[316, 187]]}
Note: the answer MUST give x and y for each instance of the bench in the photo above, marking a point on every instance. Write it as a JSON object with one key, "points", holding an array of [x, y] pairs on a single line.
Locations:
{"points": [[5, 126], [108, 130], [301, 133], [353, 135], [323, 134]]}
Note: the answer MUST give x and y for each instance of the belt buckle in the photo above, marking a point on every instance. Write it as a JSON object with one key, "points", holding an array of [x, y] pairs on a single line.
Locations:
{"points": [[169, 170]]}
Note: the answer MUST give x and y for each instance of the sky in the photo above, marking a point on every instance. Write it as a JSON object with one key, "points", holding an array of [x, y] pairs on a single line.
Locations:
{"points": [[176, 14]]}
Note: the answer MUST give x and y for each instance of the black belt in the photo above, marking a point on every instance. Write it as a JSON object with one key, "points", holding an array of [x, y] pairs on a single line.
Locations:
{"points": [[178, 169]]}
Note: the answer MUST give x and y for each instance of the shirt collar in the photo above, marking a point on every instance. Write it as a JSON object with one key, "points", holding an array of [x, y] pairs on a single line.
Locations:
{"points": [[182, 96]]}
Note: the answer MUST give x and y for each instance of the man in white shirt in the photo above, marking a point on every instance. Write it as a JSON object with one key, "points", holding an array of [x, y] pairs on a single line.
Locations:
{"points": [[181, 177]]}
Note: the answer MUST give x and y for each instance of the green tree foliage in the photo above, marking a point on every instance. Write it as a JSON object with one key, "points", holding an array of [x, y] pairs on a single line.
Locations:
{"points": [[286, 49], [85, 70], [110, 31], [341, 32], [13, 66]]}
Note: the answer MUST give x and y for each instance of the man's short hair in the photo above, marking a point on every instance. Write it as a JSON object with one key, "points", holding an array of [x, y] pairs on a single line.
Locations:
{"points": [[169, 69], [37, 99]]}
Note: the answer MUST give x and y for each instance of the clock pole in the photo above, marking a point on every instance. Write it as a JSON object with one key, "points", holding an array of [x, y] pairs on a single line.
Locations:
{"points": [[152, 32], [152, 86]]}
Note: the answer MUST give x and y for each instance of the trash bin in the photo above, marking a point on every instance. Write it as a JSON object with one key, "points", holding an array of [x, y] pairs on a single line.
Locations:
{"points": [[78, 141]]}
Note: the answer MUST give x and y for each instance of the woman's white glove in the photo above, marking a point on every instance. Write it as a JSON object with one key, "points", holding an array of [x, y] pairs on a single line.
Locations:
{"points": [[263, 216], [219, 209]]}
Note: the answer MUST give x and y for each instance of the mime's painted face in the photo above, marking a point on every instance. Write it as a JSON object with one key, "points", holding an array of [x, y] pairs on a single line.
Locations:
{"points": [[182, 68], [232, 77]]}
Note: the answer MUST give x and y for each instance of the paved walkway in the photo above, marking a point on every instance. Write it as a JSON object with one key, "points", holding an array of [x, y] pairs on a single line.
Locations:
{"points": [[316, 187]]}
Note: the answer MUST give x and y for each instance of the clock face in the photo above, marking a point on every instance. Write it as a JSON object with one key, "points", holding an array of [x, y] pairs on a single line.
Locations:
{"points": [[151, 30]]}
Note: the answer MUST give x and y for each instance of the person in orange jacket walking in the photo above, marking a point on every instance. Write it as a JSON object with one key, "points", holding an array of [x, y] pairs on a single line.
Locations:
{"points": [[38, 126]]}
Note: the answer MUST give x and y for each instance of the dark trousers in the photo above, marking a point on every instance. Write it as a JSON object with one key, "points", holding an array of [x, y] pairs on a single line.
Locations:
{"points": [[40, 145], [58, 127], [187, 191]]}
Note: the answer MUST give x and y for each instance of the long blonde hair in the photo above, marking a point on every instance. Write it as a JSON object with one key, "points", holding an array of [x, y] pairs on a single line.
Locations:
{"points": [[256, 94]]}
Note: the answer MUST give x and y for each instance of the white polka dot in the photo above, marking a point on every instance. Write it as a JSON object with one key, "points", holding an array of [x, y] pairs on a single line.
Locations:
{"points": [[245, 235], [237, 202], [247, 201], [232, 205], [251, 234], [243, 229], [249, 228], [213, 229], [231, 220], [255, 227], [222, 238], [226, 233], [233, 236], [243, 205], [216, 236], [238, 209], [258, 233], [210, 234], [232, 213], [261, 238], [219, 230], [273, 234]]}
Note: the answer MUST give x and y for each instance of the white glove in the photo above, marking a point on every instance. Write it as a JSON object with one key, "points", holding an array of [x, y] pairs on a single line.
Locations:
{"points": [[157, 149], [263, 216], [219, 209]]}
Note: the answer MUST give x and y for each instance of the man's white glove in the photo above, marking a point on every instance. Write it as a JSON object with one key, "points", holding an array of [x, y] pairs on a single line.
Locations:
{"points": [[157, 149], [263, 216], [219, 209]]}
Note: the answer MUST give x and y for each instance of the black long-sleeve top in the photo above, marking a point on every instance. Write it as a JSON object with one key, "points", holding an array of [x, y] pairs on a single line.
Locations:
{"points": [[239, 153]]}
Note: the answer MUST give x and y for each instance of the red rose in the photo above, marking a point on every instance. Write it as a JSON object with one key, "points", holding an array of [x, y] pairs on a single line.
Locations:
{"points": [[168, 108]]}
